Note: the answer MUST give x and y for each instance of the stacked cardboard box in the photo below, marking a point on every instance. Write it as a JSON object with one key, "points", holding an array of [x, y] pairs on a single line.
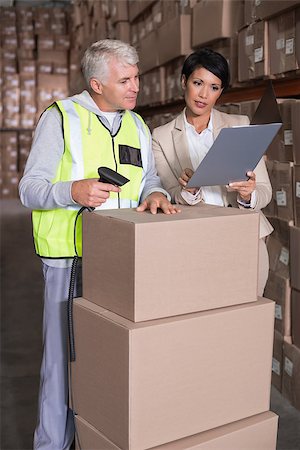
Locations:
{"points": [[267, 42], [166, 356], [283, 212], [14, 151], [291, 352], [166, 27], [9, 177], [33, 41], [34, 61], [173, 28]]}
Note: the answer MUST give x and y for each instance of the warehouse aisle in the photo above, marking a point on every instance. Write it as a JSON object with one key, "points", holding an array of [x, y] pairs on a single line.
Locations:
{"points": [[21, 345]]}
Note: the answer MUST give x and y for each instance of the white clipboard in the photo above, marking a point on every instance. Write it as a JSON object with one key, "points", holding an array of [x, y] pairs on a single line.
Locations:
{"points": [[236, 151]]}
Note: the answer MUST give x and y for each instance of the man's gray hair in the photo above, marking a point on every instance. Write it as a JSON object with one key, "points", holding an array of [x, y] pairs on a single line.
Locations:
{"points": [[95, 60]]}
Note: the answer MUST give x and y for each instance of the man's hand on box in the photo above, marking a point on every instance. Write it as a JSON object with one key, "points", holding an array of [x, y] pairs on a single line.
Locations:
{"points": [[156, 201], [91, 192]]}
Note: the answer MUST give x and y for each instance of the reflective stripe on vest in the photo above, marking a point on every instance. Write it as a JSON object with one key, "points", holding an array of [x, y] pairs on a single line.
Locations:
{"points": [[89, 145]]}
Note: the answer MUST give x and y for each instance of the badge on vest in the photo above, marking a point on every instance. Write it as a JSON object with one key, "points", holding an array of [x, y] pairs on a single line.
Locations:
{"points": [[130, 155]]}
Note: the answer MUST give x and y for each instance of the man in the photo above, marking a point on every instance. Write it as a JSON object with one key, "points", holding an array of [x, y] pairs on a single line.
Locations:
{"points": [[72, 139]]}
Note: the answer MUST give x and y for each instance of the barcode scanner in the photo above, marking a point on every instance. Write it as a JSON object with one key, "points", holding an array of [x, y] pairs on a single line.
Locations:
{"points": [[107, 175]]}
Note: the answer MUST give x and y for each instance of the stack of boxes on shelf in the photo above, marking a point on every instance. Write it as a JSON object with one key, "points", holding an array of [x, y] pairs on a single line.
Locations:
{"points": [[267, 43], [173, 348], [176, 29], [34, 73], [283, 246], [283, 165], [53, 45]]}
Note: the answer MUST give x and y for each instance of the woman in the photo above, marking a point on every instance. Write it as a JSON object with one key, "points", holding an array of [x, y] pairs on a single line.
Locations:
{"points": [[180, 145]]}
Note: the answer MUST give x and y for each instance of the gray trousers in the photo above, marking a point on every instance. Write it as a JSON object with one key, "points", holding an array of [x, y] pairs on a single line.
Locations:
{"points": [[55, 424]]}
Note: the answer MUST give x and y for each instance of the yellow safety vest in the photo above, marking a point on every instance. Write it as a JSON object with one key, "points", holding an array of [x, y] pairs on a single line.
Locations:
{"points": [[89, 145]]}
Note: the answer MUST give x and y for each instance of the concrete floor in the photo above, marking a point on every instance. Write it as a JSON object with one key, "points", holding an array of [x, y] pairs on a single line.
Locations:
{"points": [[21, 344]]}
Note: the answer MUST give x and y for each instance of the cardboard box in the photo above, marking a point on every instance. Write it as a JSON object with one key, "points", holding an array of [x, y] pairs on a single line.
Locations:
{"points": [[279, 290], [296, 128], [174, 39], [296, 317], [122, 30], [281, 149], [9, 185], [136, 8], [118, 10], [281, 231], [25, 141], [146, 384], [46, 42], [283, 173], [173, 80], [27, 40], [258, 432], [27, 66], [271, 209], [291, 374], [215, 19], [279, 257], [144, 273], [277, 360], [295, 257], [298, 33], [296, 195], [152, 87], [253, 52], [262, 9], [229, 49], [148, 58], [282, 43], [9, 151]]}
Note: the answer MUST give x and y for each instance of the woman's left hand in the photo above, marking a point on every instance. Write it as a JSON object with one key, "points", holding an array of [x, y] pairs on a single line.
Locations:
{"points": [[244, 188]]}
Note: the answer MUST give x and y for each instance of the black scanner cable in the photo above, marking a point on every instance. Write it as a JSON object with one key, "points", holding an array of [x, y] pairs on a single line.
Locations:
{"points": [[106, 175]]}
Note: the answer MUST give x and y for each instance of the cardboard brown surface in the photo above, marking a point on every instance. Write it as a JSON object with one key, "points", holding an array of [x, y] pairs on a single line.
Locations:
{"points": [[282, 43], [277, 360], [291, 374], [258, 432], [144, 266], [281, 149], [296, 195], [283, 174], [295, 257], [296, 317], [148, 59], [262, 9], [222, 19], [278, 289], [253, 51], [295, 122], [174, 39], [145, 384]]}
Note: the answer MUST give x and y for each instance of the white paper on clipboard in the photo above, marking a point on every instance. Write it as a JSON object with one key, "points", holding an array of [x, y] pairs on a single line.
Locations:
{"points": [[236, 151]]}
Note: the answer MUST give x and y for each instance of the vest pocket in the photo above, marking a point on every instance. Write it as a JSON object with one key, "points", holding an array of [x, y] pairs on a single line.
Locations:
{"points": [[130, 155]]}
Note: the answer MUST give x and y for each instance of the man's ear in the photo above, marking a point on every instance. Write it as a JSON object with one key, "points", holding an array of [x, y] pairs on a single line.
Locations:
{"points": [[96, 86], [183, 82]]}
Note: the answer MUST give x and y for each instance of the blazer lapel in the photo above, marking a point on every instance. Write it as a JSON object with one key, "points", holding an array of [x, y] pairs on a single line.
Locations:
{"points": [[218, 123], [180, 143]]}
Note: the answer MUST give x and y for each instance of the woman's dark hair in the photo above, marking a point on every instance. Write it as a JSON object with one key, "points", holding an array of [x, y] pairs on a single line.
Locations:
{"points": [[210, 60]]}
